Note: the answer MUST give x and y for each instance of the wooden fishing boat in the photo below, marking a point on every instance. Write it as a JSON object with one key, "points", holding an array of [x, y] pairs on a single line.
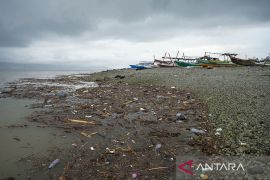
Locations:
{"points": [[215, 63], [163, 63], [186, 64], [244, 62], [166, 61]]}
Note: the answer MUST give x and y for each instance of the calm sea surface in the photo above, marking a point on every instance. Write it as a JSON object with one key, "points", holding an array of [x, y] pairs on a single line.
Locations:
{"points": [[11, 75]]}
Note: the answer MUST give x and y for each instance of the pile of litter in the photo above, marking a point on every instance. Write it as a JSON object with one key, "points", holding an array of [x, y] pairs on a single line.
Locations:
{"points": [[124, 131]]}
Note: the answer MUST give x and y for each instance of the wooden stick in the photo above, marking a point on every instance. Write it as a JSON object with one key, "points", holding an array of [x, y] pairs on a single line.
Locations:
{"points": [[158, 168]]}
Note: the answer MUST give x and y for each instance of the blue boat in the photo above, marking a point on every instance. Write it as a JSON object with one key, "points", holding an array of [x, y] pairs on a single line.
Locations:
{"points": [[136, 66], [142, 65]]}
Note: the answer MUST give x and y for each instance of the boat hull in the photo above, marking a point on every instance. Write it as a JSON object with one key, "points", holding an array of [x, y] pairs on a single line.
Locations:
{"points": [[185, 64], [137, 67], [242, 61]]}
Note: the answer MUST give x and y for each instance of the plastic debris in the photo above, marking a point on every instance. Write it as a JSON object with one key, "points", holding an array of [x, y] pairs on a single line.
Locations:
{"points": [[243, 144], [87, 116], [204, 176], [134, 175], [54, 163], [158, 146], [92, 148], [75, 145], [197, 131], [111, 151], [142, 109], [219, 129], [217, 134], [180, 116]]}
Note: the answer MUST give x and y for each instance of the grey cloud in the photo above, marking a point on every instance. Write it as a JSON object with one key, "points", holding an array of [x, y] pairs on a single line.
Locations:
{"points": [[23, 22]]}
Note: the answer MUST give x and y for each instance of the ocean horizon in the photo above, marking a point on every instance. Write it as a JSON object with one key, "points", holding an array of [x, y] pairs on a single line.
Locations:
{"points": [[8, 75]]}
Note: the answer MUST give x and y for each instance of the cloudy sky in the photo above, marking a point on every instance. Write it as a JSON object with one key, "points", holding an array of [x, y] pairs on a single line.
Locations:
{"points": [[119, 32]]}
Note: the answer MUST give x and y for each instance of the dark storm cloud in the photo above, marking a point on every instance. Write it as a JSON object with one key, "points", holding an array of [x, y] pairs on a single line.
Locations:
{"points": [[23, 22]]}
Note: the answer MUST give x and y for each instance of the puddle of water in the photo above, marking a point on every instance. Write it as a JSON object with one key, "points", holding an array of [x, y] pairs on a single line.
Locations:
{"points": [[20, 142]]}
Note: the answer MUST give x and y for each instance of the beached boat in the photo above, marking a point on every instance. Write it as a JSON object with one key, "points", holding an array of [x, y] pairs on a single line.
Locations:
{"points": [[244, 62], [166, 61], [142, 65], [137, 66], [215, 63], [163, 63], [186, 64]]}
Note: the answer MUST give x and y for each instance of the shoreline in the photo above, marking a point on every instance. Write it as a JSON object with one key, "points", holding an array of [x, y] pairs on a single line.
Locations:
{"points": [[212, 99]]}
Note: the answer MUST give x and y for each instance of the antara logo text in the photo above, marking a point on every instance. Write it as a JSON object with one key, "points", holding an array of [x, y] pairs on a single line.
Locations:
{"points": [[210, 167]]}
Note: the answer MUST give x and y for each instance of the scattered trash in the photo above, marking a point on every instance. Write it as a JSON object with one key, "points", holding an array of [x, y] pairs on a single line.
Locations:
{"points": [[219, 129], [88, 135], [158, 146], [217, 134], [197, 131], [134, 175], [74, 112], [135, 124], [81, 121], [47, 105], [111, 151], [180, 116], [243, 144], [142, 109], [54, 163], [157, 168], [204, 176]]}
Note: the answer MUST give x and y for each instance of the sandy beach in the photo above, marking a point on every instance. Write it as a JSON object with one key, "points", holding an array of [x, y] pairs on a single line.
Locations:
{"points": [[129, 122]]}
